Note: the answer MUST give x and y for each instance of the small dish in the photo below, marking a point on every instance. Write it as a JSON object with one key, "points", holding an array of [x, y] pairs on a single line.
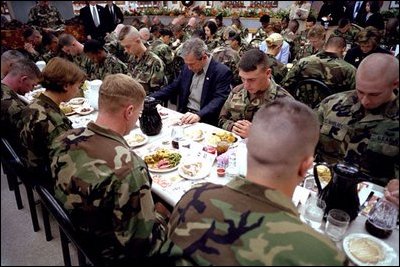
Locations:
{"points": [[137, 139], [193, 170], [77, 101], [84, 110], [221, 172], [365, 245]]}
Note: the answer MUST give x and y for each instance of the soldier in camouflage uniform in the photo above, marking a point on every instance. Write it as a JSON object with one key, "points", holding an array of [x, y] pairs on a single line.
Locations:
{"points": [[327, 66], [315, 42], [261, 32], [74, 51], [11, 105], [103, 184], [245, 99], [161, 48], [43, 119], [146, 67], [46, 17], [346, 30], [113, 46], [33, 47], [362, 127], [103, 63], [253, 221]]}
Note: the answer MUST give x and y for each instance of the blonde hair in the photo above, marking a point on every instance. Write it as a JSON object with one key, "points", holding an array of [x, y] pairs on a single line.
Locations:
{"points": [[60, 72], [317, 31], [119, 90]]}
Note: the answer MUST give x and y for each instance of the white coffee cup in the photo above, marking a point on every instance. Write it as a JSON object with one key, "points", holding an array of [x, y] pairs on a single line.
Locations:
{"points": [[92, 94]]}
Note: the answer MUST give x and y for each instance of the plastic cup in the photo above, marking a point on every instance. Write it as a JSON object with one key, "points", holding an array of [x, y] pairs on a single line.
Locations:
{"points": [[337, 223], [222, 147]]}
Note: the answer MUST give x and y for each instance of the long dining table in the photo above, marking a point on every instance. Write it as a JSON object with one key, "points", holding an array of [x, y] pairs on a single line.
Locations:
{"points": [[170, 185]]}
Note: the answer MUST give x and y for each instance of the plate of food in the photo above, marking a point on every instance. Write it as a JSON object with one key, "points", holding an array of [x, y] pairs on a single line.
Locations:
{"points": [[216, 137], [163, 160], [193, 170], [84, 110], [366, 250], [194, 134], [77, 101], [136, 139], [67, 109]]}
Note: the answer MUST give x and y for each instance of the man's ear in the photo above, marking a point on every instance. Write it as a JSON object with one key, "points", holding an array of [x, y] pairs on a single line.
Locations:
{"points": [[128, 112], [305, 166]]}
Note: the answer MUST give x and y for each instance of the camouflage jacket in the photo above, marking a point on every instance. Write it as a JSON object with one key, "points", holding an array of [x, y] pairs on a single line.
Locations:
{"points": [[336, 73], [303, 51], [212, 44], [230, 58], [215, 225], [45, 17], [148, 71], [164, 52], [238, 106], [367, 138], [279, 70], [261, 34], [349, 36], [42, 121], [113, 46], [106, 188], [11, 116], [111, 65]]}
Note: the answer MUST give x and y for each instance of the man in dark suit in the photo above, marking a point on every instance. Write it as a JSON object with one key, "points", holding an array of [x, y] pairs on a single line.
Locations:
{"points": [[94, 20], [113, 15], [355, 11], [202, 86]]}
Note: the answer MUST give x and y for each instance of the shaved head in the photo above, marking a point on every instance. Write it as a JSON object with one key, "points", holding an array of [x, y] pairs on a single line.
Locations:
{"points": [[283, 134], [376, 79]]}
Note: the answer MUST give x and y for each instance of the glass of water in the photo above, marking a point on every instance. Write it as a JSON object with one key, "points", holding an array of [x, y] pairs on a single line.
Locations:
{"points": [[313, 213], [337, 223]]}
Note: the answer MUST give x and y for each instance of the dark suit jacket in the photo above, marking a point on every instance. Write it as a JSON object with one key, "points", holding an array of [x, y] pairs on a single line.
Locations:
{"points": [[216, 88], [85, 15], [375, 20], [359, 19], [113, 21]]}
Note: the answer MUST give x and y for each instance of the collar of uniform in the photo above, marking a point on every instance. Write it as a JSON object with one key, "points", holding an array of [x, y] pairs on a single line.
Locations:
{"points": [[267, 94], [270, 196], [107, 133], [325, 54], [49, 101]]}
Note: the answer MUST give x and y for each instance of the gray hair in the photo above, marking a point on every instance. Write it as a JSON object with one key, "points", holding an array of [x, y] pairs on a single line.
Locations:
{"points": [[194, 46], [25, 67]]}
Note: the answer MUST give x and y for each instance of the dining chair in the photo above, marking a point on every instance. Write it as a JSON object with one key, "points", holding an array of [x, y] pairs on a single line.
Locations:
{"points": [[18, 170], [255, 43], [311, 92]]}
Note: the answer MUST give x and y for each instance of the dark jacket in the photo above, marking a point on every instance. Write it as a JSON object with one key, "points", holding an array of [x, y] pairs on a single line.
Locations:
{"points": [[375, 20], [360, 15], [216, 88], [354, 56], [85, 15], [112, 20]]}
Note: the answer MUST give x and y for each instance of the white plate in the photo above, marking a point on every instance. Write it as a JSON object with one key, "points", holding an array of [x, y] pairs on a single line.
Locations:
{"points": [[390, 256], [212, 139], [193, 135], [203, 172], [131, 139], [164, 170], [84, 110], [77, 101]]}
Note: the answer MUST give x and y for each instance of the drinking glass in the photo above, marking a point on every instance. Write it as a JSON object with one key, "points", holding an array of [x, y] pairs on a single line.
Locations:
{"points": [[222, 147], [337, 223], [382, 219], [313, 213]]}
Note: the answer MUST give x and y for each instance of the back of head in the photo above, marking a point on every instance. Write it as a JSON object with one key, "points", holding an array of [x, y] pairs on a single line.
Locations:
{"points": [[192, 22], [60, 72], [284, 133], [25, 67], [119, 90], [28, 33], [194, 46], [253, 58], [118, 28], [92, 46], [166, 32], [66, 39], [335, 42], [144, 34], [48, 38], [311, 19], [379, 67]]}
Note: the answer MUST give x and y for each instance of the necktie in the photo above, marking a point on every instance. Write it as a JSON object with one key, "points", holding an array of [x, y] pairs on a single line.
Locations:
{"points": [[95, 17], [358, 5]]}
